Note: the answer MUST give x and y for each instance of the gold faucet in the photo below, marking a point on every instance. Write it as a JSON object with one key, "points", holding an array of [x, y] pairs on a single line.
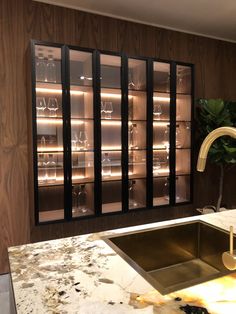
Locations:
{"points": [[211, 137], [228, 258]]}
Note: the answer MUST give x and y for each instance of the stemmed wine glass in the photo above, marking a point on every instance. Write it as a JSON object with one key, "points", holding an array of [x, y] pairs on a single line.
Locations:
{"points": [[108, 109], [74, 141], [83, 139], [40, 106], [103, 109], [157, 112], [52, 106]]}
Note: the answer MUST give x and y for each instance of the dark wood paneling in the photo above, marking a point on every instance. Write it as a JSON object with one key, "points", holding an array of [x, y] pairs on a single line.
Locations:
{"points": [[21, 20]]}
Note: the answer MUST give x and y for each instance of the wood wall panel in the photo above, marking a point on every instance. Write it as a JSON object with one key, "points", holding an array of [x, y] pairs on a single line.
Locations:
{"points": [[22, 20]]}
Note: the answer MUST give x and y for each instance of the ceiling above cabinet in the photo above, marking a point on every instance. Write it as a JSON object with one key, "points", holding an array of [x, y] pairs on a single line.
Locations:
{"points": [[184, 15]]}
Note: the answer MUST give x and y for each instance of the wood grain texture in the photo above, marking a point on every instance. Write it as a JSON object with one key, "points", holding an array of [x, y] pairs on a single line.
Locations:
{"points": [[22, 20]]}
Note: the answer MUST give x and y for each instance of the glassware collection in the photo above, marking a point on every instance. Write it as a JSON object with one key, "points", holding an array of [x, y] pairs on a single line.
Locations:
{"points": [[82, 125], [47, 109], [46, 69]]}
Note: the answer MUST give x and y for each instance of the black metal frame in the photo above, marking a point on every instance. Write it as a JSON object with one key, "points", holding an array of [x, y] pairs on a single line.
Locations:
{"points": [[65, 72]]}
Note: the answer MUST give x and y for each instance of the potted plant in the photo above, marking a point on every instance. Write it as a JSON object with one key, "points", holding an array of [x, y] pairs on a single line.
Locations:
{"points": [[212, 114]]}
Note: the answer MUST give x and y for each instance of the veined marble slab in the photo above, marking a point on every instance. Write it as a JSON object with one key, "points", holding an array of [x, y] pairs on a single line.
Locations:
{"points": [[83, 275]]}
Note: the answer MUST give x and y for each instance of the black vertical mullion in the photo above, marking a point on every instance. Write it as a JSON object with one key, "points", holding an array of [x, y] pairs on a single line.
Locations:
{"points": [[66, 133], [97, 132], [172, 152], [124, 132], [149, 133], [34, 130]]}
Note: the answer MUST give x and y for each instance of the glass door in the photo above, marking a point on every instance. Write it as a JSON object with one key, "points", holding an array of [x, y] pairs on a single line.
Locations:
{"points": [[183, 132], [48, 110], [161, 133], [111, 122], [82, 132], [137, 125]]}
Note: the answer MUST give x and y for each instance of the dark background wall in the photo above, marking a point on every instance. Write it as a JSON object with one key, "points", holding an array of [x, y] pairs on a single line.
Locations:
{"points": [[22, 20]]}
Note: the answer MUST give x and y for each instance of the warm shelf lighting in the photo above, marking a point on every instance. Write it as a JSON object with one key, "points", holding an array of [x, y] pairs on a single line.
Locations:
{"points": [[49, 121], [160, 123], [159, 147], [164, 99], [58, 121], [164, 171], [48, 90], [57, 91], [111, 148], [110, 123], [50, 149], [116, 174], [110, 95]]}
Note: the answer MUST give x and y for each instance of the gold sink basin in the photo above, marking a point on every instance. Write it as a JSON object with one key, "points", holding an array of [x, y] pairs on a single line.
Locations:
{"points": [[174, 257]]}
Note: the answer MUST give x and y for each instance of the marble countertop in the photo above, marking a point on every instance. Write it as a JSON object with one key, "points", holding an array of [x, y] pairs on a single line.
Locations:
{"points": [[84, 275]]}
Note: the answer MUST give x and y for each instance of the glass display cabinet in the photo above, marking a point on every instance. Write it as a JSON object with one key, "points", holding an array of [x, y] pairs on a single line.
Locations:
{"points": [[111, 133]]}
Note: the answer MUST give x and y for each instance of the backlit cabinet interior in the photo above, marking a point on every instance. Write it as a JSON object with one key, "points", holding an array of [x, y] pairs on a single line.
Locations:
{"points": [[71, 100]]}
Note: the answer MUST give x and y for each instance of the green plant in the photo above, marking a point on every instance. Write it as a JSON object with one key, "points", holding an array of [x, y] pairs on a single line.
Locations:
{"points": [[212, 114]]}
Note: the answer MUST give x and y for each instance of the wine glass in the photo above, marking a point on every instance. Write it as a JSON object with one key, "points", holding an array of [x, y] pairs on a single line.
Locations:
{"points": [[131, 82], [157, 112], [108, 109], [103, 109], [52, 107], [40, 106], [83, 139], [74, 141]]}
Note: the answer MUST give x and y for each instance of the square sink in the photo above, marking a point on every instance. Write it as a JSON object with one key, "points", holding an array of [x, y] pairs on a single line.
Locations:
{"points": [[174, 257]]}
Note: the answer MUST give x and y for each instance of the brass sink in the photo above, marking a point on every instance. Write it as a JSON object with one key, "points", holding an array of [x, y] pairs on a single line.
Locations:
{"points": [[174, 257]]}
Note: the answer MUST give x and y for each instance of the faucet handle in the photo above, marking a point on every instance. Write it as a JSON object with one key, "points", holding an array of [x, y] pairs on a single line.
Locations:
{"points": [[228, 258]]}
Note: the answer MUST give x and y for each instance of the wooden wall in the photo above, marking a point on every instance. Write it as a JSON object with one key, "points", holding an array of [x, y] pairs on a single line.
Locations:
{"points": [[21, 20]]}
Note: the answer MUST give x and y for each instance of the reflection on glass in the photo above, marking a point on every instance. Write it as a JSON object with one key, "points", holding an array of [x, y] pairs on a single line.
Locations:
{"points": [[133, 136], [40, 106], [166, 138], [52, 106], [166, 189], [178, 137], [106, 166], [157, 111], [156, 165], [51, 74], [132, 202]]}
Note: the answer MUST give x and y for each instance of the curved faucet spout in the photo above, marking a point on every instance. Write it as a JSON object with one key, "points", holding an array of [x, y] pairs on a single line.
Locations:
{"points": [[211, 137]]}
